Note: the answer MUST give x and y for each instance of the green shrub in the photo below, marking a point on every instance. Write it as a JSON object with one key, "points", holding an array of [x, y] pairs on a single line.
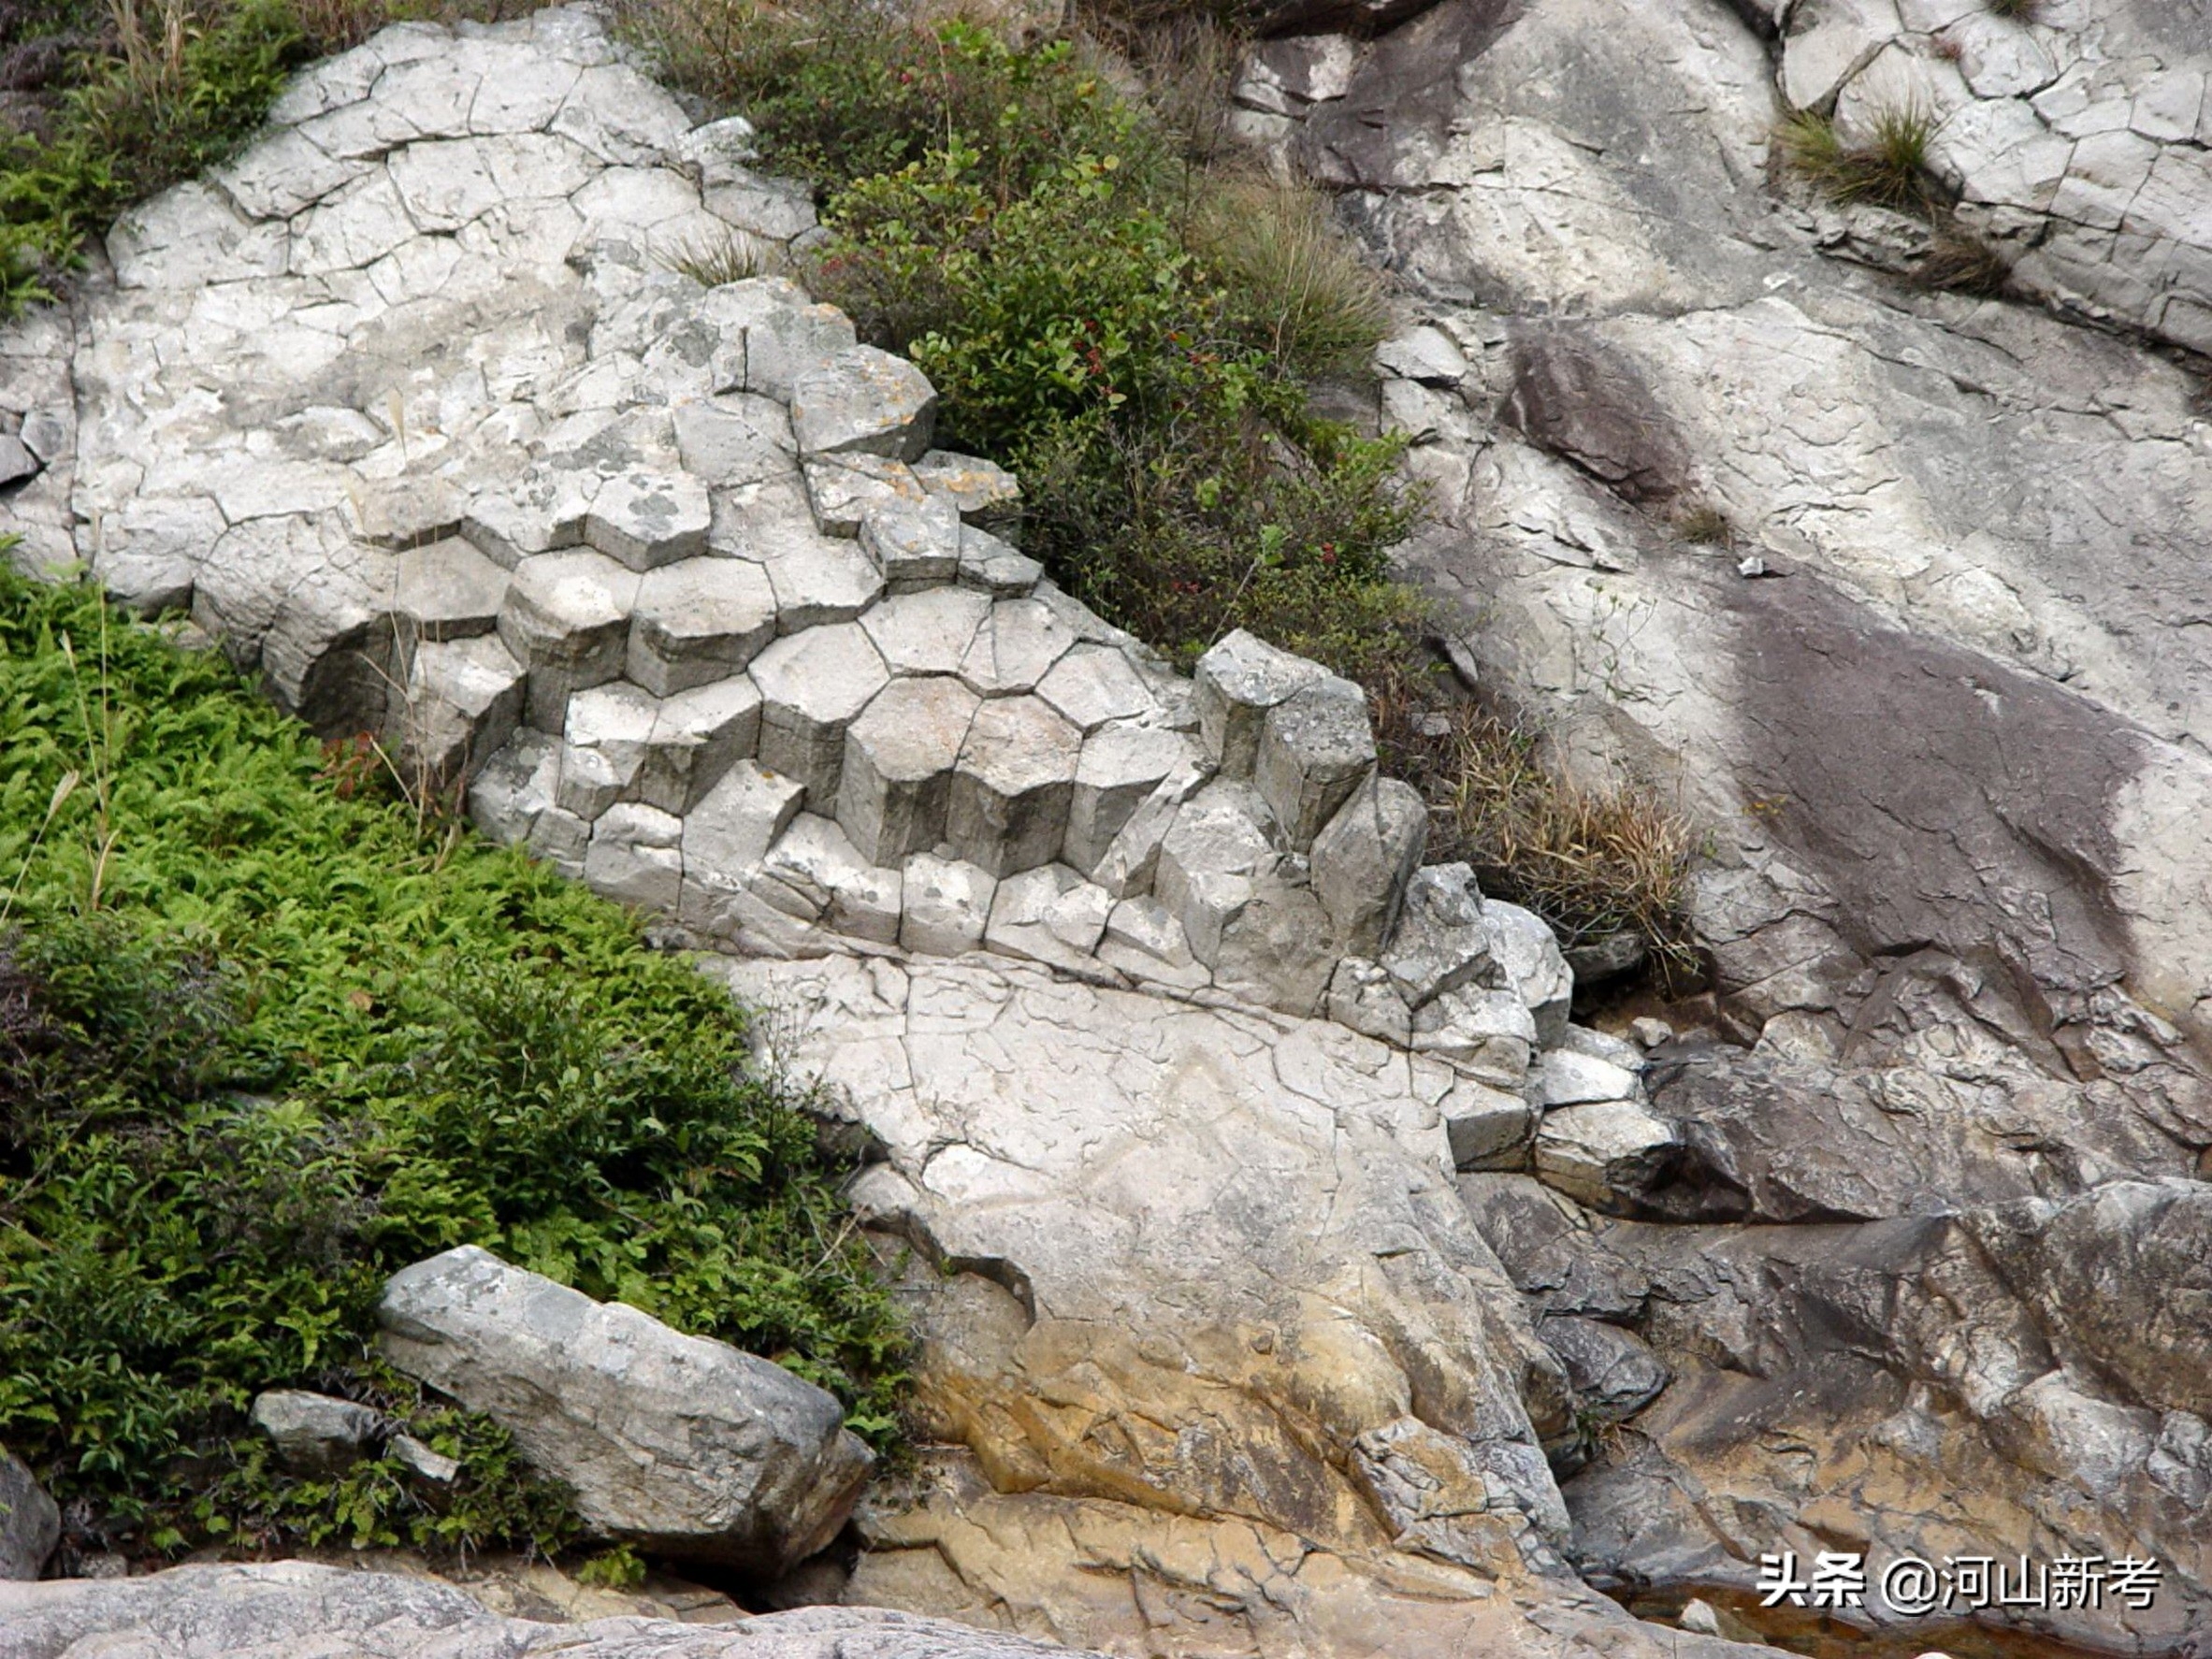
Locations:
{"points": [[296, 1043]]}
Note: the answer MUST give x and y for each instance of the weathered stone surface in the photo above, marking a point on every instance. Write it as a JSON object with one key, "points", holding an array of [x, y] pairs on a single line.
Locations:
{"points": [[899, 757], [462, 700], [1209, 858], [843, 488], [1606, 1154], [814, 873], [927, 632], [567, 621], [982, 490], [635, 857], [995, 566], [813, 685], [1615, 1373], [1241, 1220], [269, 1609], [683, 1445], [698, 621], [1441, 944], [1048, 914], [1147, 944], [1488, 1128], [448, 590], [1529, 963], [645, 519], [915, 545], [30, 1521], [1316, 747], [1015, 646], [1236, 683], [1094, 683], [1119, 768], [948, 905], [1364, 858], [314, 1434], [1008, 809], [864, 400]]}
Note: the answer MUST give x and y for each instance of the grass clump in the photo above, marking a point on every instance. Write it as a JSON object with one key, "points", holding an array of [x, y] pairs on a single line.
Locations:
{"points": [[263, 1041], [1888, 168]]}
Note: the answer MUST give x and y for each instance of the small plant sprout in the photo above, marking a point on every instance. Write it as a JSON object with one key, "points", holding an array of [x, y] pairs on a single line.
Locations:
{"points": [[714, 260], [1703, 524]]}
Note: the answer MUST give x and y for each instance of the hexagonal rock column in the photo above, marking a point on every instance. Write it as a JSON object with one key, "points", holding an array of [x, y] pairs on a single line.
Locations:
{"points": [[1233, 686], [1315, 747], [699, 621], [813, 685], [448, 590], [645, 519], [1121, 766], [866, 400], [1010, 795], [915, 545], [567, 621], [1364, 858], [899, 758]]}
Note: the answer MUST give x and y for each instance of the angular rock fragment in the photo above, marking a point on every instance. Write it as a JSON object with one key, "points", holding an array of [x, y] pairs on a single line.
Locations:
{"points": [[1233, 686], [1208, 859], [996, 567], [977, 489], [1363, 995], [1316, 746], [462, 700], [1146, 942], [914, 544], [699, 621], [1605, 1154], [867, 401], [636, 858], [1010, 796], [314, 1434], [1118, 768], [1048, 914], [814, 873], [680, 1445], [1487, 1128], [567, 621], [1364, 858], [948, 905], [30, 1520], [1527, 955], [1488, 1034], [843, 490], [813, 685], [1441, 944], [899, 758], [730, 831]]}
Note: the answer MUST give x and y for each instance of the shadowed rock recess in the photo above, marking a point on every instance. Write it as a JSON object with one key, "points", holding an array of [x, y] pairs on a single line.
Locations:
{"points": [[1295, 1277]]}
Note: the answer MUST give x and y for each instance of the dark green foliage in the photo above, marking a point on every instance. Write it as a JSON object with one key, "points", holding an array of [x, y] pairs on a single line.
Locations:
{"points": [[297, 1045]]}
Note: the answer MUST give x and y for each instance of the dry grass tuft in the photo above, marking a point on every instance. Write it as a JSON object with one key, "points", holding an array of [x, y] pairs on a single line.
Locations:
{"points": [[1274, 246], [1961, 263], [1887, 169], [1591, 861], [1703, 524], [713, 261]]}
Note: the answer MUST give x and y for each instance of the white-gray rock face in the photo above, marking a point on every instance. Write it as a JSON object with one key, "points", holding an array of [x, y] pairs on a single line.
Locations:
{"points": [[281, 1609], [685, 1445]]}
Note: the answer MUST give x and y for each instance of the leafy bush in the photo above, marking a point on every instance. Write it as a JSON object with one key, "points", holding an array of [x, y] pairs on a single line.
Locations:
{"points": [[296, 1043]]}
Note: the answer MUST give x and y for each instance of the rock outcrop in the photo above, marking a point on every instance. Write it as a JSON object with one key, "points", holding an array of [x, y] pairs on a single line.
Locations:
{"points": [[288, 1607], [681, 1445]]}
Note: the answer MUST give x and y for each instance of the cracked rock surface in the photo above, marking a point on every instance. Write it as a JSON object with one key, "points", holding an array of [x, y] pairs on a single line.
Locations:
{"points": [[1932, 676]]}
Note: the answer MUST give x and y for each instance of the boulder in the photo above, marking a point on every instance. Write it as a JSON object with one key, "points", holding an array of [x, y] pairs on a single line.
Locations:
{"points": [[1606, 1154], [681, 1445], [1441, 944], [1364, 859], [1316, 747], [30, 1521], [314, 1434]]}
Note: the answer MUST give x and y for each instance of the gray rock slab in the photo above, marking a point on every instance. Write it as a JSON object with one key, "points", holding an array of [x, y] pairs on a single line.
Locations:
{"points": [[30, 1520], [813, 685], [1236, 683], [700, 620], [680, 1444], [1016, 779], [899, 758], [866, 401]]}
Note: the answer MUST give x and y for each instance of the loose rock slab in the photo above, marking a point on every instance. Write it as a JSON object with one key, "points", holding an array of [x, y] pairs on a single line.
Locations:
{"points": [[685, 1445]]}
